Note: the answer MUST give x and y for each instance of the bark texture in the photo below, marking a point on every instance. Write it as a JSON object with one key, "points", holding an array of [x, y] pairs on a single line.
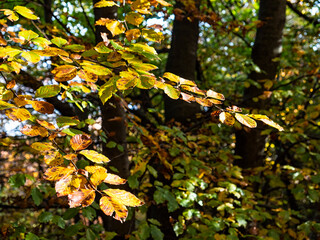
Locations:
{"points": [[267, 46], [182, 61], [114, 126]]}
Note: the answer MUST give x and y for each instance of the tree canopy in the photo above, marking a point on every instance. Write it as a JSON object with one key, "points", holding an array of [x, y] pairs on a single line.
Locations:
{"points": [[159, 119]]}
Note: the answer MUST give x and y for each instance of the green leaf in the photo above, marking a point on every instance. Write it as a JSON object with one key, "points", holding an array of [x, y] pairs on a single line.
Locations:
{"points": [[17, 180], [31, 236], [72, 132], [90, 235], [152, 35], [111, 144], [75, 47], [73, 229], [156, 232], [67, 121], [59, 221], [26, 12], [37, 196], [5, 105], [171, 91], [59, 41], [89, 213], [47, 91], [45, 217], [70, 213], [106, 92]]}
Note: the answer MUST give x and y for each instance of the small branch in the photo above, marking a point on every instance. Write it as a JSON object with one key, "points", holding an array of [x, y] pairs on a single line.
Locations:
{"points": [[311, 20], [87, 18]]}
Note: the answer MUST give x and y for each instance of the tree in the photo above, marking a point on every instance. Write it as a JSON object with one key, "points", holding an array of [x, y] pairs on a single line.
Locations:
{"points": [[65, 78]]}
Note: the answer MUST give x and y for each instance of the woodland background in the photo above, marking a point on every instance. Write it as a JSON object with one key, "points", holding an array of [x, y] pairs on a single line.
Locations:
{"points": [[199, 177]]}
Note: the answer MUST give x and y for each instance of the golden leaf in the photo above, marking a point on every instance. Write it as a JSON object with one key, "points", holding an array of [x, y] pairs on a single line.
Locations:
{"points": [[64, 73], [46, 124], [18, 114], [204, 102], [213, 94], [53, 159], [56, 173], [87, 76], [33, 131], [80, 142], [124, 197], [226, 118], [134, 18], [266, 120], [94, 156], [42, 107], [42, 146], [114, 179], [245, 120]]}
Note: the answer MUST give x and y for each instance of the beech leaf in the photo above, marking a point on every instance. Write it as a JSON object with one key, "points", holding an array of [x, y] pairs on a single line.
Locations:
{"points": [[245, 120], [94, 156], [47, 91], [80, 142]]}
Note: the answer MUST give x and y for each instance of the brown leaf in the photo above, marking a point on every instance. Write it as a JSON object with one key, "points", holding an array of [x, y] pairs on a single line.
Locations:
{"points": [[33, 131], [42, 107], [80, 142]]}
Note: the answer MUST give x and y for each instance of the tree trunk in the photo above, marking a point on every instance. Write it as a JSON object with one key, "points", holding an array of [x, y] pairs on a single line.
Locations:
{"points": [[267, 46], [182, 60], [114, 126]]}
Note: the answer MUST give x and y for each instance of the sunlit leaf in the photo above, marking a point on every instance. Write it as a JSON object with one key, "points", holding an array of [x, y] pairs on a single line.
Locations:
{"points": [[87, 76], [97, 69], [56, 173], [133, 34], [94, 156], [33, 131], [204, 102], [41, 42], [127, 80], [31, 56], [42, 107], [163, 3], [42, 146], [26, 12], [67, 121], [18, 114], [213, 94], [114, 26], [172, 77], [59, 41], [65, 73], [101, 47], [81, 198], [28, 35], [114, 179], [187, 97], [152, 35], [80, 142], [105, 3], [266, 120], [124, 197], [226, 118], [245, 120], [171, 91], [46, 124], [47, 91], [98, 176], [12, 16], [134, 18], [53, 159]]}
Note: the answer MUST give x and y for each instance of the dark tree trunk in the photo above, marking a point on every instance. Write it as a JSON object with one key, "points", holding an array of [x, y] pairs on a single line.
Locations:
{"points": [[114, 126], [182, 61], [267, 46]]}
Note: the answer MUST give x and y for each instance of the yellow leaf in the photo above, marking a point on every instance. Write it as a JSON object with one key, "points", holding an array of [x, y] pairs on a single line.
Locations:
{"points": [[245, 120], [33, 131], [213, 94], [80, 142], [105, 3], [53, 159], [163, 3], [98, 176], [46, 124], [94, 156], [81, 198], [226, 118], [63, 187], [124, 197], [171, 91], [134, 18], [114, 179], [127, 80], [114, 26], [87, 76], [42, 146], [26, 12], [64, 73], [204, 102], [172, 77], [18, 114], [31, 56], [133, 34], [56, 173], [152, 35], [266, 120]]}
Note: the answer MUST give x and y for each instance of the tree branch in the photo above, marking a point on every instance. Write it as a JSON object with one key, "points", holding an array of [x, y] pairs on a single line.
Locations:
{"points": [[311, 20]]}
